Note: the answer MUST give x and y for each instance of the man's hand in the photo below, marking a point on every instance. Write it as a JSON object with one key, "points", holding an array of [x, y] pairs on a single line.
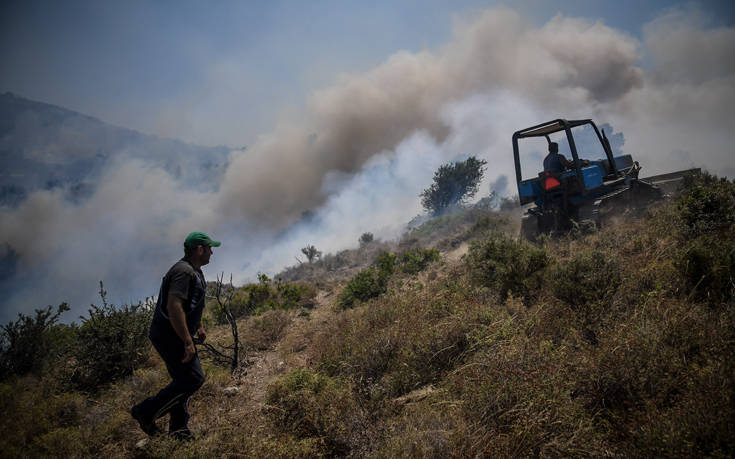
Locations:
{"points": [[201, 335], [189, 352]]}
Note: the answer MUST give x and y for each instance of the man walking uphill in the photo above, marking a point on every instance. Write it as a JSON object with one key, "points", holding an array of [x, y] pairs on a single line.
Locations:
{"points": [[177, 322]]}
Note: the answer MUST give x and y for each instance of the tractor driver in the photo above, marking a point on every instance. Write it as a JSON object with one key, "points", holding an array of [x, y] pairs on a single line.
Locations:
{"points": [[555, 162]]}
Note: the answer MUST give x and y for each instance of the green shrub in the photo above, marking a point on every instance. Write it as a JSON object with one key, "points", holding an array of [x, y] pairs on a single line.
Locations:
{"points": [[332, 262], [484, 224], [520, 399], [707, 264], [28, 344], [264, 296], [310, 404], [442, 226], [416, 260], [369, 283], [32, 414], [506, 265], [662, 379], [112, 342], [698, 423], [403, 341], [588, 277], [295, 295], [363, 286], [708, 204], [260, 296]]}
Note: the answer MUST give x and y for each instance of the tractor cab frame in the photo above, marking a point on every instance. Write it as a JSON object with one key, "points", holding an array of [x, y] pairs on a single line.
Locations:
{"points": [[577, 193]]}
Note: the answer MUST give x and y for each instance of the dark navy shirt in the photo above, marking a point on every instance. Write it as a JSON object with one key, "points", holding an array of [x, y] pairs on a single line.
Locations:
{"points": [[555, 162], [187, 283]]}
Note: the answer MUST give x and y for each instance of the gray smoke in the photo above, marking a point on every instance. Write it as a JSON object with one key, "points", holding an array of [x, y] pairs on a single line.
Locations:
{"points": [[363, 149], [681, 116], [568, 63]]}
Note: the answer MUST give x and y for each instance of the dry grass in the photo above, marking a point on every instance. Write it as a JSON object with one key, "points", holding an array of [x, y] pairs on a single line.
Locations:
{"points": [[610, 351]]}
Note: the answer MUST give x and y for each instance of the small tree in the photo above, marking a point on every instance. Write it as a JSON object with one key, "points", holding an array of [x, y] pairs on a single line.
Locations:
{"points": [[311, 253], [453, 183], [26, 344], [366, 239], [112, 342]]}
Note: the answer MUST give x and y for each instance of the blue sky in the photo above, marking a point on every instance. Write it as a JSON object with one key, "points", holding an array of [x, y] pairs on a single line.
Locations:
{"points": [[223, 72]]}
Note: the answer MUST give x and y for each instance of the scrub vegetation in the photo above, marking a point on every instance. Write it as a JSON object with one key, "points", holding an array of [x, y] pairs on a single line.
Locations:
{"points": [[614, 343]]}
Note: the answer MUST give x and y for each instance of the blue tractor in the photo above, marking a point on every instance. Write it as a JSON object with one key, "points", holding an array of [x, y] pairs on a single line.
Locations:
{"points": [[579, 191]]}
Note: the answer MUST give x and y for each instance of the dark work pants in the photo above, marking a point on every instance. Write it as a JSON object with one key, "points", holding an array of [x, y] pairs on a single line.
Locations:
{"points": [[187, 378]]}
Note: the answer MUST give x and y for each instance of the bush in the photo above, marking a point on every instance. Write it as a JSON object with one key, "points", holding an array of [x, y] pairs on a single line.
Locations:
{"points": [[369, 283], [28, 344], [295, 295], [663, 379], [32, 413], [403, 341], [708, 267], [451, 229], [708, 204], [586, 283], [264, 296], [588, 277], [416, 260], [266, 329], [520, 397], [310, 404], [333, 262], [112, 342], [483, 225], [506, 264]]}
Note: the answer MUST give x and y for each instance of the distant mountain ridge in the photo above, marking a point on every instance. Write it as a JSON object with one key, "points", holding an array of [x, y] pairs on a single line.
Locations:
{"points": [[44, 146]]}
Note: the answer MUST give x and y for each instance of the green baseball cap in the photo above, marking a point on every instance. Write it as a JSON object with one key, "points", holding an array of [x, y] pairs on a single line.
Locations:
{"points": [[197, 238]]}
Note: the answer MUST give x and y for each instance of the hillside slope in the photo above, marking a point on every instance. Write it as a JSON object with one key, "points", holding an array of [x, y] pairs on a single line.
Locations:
{"points": [[44, 146], [617, 343]]}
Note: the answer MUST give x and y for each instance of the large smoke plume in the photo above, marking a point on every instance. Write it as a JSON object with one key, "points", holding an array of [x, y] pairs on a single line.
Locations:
{"points": [[364, 148]]}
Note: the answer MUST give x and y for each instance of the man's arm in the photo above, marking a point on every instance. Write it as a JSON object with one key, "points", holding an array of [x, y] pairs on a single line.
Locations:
{"points": [[178, 322], [568, 164]]}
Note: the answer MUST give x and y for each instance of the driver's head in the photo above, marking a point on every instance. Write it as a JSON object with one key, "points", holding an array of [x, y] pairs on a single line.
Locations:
{"points": [[553, 147]]}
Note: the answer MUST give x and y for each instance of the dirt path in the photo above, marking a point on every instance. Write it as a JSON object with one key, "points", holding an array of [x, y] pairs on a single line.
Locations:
{"points": [[289, 353]]}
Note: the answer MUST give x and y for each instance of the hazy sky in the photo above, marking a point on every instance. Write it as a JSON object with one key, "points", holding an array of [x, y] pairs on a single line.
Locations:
{"points": [[346, 110], [222, 72]]}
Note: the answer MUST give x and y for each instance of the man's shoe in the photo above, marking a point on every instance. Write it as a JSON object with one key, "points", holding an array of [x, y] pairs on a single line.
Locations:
{"points": [[182, 434], [147, 425]]}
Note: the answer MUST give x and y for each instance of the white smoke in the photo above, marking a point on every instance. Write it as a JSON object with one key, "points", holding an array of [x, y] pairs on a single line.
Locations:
{"points": [[363, 150], [681, 116]]}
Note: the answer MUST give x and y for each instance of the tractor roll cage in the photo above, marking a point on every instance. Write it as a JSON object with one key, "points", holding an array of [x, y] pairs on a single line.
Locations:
{"points": [[550, 127]]}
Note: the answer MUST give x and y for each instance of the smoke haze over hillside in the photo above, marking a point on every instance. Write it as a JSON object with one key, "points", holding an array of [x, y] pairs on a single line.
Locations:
{"points": [[363, 149]]}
